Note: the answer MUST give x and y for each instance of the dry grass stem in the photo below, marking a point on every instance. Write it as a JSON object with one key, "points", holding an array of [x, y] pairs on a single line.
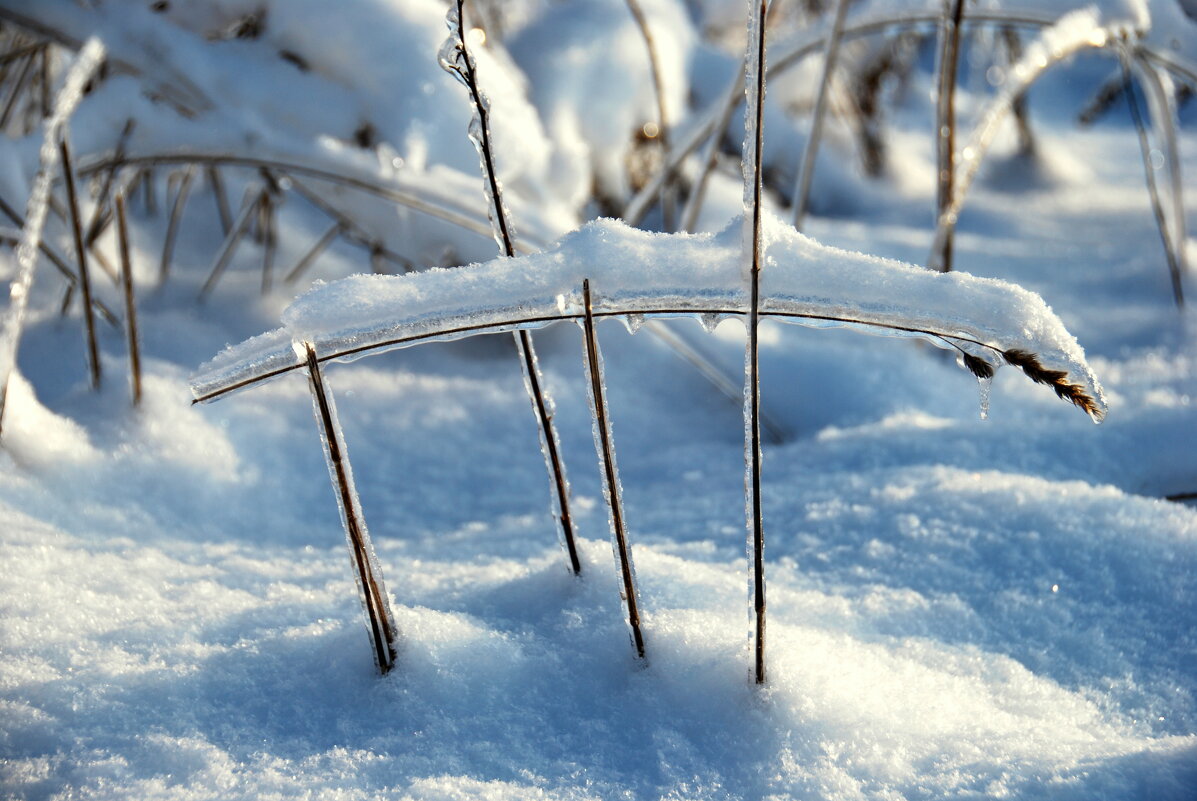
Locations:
{"points": [[89, 323], [752, 389], [249, 205], [122, 238], [807, 169], [176, 218], [369, 578], [606, 454]]}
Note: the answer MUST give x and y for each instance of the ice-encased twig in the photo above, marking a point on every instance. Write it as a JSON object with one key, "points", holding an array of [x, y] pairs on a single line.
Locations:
{"points": [[806, 170], [176, 217], [945, 120], [367, 573], [659, 275], [456, 59], [131, 337], [605, 449], [1074, 32], [80, 72], [754, 83], [1161, 102]]}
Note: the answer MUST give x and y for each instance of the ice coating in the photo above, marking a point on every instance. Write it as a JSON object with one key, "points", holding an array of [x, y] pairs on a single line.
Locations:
{"points": [[456, 59], [90, 57], [657, 275]]}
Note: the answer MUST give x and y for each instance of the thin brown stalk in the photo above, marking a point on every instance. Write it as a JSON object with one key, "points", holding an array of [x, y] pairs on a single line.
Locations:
{"points": [[266, 218], [663, 126], [122, 238], [93, 348], [945, 118], [1163, 112], [606, 454], [752, 390], [313, 253], [369, 578], [54, 258], [176, 218], [101, 215], [18, 87], [227, 248], [806, 172], [1157, 205], [46, 82], [456, 59], [1022, 116], [216, 182]]}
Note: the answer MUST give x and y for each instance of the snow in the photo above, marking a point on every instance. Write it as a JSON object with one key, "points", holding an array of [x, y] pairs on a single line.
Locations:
{"points": [[957, 608]]}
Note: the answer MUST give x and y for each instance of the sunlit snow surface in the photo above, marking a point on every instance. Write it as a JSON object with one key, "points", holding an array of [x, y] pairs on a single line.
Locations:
{"points": [[957, 608]]}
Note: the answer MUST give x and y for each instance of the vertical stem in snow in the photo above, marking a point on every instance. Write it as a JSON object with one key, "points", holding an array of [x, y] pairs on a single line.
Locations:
{"points": [[456, 59], [1157, 206], [806, 171], [176, 216], [945, 117], [89, 320], [361, 551], [662, 116], [606, 455], [122, 239], [753, 141], [222, 199]]}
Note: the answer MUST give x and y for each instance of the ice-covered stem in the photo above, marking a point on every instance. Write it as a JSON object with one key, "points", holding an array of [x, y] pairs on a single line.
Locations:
{"points": [[122, 240], [754, 72], [456, 59], [172, 226], [945, 118], [89, 320], [662, 116], [1075, 31], [249, 206], [375, 604], [1163, 112], [90, 57], [606, 454], [807, 170]]}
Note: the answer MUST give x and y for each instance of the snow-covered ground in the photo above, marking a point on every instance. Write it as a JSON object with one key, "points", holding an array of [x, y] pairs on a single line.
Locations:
{"points": [[958, 608]]}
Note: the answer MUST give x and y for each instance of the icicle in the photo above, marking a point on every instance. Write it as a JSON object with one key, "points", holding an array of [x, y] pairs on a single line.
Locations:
{"points": [[710, 321], [86, 63], [984, 384], [633, 322]]}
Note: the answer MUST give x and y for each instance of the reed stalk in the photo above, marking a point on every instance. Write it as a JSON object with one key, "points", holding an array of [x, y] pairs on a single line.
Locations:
{"points": [[606, 455], [89, 322]]}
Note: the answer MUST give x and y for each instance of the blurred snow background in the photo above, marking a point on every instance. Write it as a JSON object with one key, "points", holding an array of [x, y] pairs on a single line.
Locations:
{"points": [[958, 608]]}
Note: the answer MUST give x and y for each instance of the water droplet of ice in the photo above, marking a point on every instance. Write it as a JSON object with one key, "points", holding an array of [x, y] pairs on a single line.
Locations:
{"points": [[710, 321], [632, 322]]}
